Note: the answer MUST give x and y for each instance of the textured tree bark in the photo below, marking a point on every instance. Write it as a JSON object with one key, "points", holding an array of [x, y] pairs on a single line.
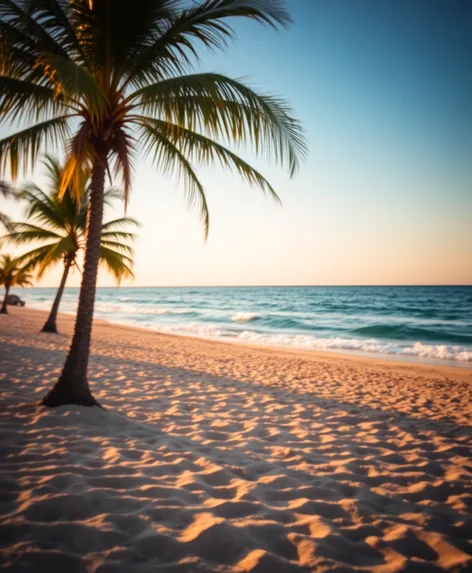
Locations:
{"points": [[72, 386], [4, 304], [50, 325]]}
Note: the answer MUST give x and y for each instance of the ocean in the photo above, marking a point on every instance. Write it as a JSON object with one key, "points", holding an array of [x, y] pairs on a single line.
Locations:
{"points": [[432, 323]]}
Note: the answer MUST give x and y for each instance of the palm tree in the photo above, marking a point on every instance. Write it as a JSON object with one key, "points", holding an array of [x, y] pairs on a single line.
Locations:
{"points": [[12, 274], [60, 223], [107, 78]]}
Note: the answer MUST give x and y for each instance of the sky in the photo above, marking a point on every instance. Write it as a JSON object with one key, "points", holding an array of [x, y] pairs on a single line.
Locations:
{"points": [[383, 89]]}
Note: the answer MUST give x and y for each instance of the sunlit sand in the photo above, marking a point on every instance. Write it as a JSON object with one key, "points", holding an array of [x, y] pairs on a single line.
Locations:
{"points": [[222, 457]]}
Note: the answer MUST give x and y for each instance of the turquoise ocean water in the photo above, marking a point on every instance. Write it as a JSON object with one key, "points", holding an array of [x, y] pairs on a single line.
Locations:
{"points": [[432, 323]]}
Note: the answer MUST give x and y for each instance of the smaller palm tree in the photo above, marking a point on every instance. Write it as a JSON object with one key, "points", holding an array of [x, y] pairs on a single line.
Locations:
{"points": [[12, 274], [60, 223]]}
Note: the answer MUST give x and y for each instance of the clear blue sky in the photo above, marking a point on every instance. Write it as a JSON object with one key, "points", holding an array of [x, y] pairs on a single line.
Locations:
{"points": [[384, 90]]}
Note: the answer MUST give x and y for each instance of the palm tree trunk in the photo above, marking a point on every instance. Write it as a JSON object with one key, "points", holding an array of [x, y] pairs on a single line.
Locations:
{"points": [[50, 325], [72, 386], [4, 304]]}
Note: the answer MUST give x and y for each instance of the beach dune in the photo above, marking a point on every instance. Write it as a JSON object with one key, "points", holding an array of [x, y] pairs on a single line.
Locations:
{"points": [[222, 457]]}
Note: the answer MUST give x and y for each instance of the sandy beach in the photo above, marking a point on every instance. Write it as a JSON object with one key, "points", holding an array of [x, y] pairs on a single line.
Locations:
{"points": [[221, 457]]}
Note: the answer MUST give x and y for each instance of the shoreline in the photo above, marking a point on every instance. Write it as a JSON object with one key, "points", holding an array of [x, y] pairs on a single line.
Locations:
{"points": [[446, 367], [418, 324]]}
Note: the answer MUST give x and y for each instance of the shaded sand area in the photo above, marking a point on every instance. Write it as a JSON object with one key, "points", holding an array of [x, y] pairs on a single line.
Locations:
{"points": [[219, 457]]}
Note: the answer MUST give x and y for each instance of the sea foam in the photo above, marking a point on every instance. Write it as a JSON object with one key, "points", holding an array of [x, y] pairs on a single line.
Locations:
{"points": [[244, 317]]}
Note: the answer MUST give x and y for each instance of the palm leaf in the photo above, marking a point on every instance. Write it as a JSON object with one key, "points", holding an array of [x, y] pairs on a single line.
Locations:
{"points": [[174, 50], [6, 190], [118, 264], [22, 19], [120, 222], [27, 233], [75, 83], [52, 16], [171, 161], [24, 279], [18, 52], [124, 160], [6, 222], [75, 174], [42, 207], [53, 169], [118, 235], [207, 151], [28, 101], [23, 146], [13, 273], [40, 259], [126, 249], [46, 256], [111, 194], [218, 105]]}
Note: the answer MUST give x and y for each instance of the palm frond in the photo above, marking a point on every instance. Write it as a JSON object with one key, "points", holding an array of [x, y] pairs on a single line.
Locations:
{"points": [[75, 83], [217, 105], [28, 101], [174, 50], [23, 146], [36, 258], [112, 194], [116, 263], [6, 222], [56, 254], [110, 31], [24, 279], [27, 233], [170, 160], [53, 170], [204, 150], [46, 256], [121, 237], [52, 16], [20, 16], [120, 222], [76, 169], [6, 190], [124, 156], [114, 245], [42, 207], [18, 52], [13, 273]]}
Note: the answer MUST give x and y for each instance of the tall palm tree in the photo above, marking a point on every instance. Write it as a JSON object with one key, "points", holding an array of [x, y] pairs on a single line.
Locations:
{"points": [[60, 223], [12, 274], [109, 78]]}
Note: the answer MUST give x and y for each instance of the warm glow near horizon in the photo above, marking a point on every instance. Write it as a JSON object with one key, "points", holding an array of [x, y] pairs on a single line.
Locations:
{"points": [[385, 196]]}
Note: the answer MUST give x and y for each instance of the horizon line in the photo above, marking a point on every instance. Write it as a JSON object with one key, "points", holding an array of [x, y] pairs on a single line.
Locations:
{"points": [[276, 286]]}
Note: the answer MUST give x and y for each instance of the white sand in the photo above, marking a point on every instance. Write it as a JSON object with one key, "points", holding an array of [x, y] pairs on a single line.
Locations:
{"points": [[220, 457]]}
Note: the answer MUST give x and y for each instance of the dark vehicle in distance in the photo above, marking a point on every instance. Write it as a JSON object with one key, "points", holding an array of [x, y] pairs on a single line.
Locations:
{"points": [[15, 300]]}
